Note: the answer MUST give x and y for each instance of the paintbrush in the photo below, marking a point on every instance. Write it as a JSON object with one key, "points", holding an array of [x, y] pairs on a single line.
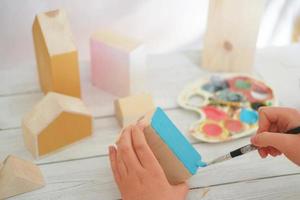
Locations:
{"points": [[245, 149]]}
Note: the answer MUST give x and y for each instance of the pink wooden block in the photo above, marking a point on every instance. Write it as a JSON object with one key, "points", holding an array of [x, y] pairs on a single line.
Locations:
{"points": [[118, 63]]}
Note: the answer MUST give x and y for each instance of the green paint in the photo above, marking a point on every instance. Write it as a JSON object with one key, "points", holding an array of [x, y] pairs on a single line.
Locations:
{"points": [[242, 84]]}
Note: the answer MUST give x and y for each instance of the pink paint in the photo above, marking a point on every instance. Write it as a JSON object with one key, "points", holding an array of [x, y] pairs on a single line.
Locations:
{"points": [[117, 67], [212, 129], [233, 126], [214, 113]]}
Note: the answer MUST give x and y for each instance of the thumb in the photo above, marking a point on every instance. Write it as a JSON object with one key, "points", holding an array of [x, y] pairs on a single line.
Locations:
{"points": [[276, 140], [182, 188]]}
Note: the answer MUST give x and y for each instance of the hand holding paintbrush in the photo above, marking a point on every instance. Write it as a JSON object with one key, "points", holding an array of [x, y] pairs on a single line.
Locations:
{"points": [[278, 133]]}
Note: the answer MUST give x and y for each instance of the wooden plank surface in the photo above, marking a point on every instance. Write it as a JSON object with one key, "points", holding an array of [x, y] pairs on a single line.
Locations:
{"points": [[18, 100], [82, 171], [92, 177], [276, 188]]}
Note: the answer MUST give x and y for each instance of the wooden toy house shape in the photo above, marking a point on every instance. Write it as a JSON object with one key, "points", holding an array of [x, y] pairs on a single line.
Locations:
{"points": [[18, 176], [130, 109], [56, 121], [118, 63], [56, 54], [176, 155]]}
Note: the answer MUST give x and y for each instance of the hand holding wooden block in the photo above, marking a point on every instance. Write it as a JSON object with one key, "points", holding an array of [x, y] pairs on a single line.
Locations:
{"points": [[56, 121], [176, 155], [118, 63], [130, 109], [230, 39], [19, 176], [56, 54]]}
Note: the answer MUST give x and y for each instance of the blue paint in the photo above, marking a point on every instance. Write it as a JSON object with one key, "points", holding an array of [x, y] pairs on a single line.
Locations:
{"points": [[178, 144], [248, 116]]}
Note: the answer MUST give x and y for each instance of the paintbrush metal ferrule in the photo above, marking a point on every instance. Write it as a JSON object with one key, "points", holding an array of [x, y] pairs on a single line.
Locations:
{"points": [[240, 151], [220, 159], [246, 149]]}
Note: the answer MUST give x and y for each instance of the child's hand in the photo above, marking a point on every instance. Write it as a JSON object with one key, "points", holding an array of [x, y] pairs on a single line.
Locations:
{"points": [[270, 137], [137, 172]]}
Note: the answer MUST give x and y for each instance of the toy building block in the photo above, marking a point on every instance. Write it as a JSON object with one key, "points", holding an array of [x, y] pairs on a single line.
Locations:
{"points": [[176, 155], [130, 109], [56, 121], [19, 176], [230, 39], [118, 63], [56, 54]]}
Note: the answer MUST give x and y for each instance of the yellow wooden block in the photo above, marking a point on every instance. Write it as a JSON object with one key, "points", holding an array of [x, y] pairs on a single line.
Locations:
{"points": [[230, 39], [56, 121], [56, 54], [18, 176], [130, 109]]}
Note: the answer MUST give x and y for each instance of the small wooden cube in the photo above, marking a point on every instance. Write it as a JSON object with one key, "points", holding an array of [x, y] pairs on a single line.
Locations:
{"points": [[230, 38], [176, 155], [56, 54], [118, 63], [130, 109], [18, 176], [56, 121]]}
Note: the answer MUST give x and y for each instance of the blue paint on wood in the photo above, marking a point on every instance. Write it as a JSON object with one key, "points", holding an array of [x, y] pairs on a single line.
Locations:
{"points": [[178, 144]]}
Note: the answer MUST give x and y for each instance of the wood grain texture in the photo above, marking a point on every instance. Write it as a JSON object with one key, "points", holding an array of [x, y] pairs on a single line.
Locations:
{"points": [[230, 38], [276, 188], [19, 176], [55, 122], [130, 109], [99, 102], [69, 180], [246, 177], [56, 54]]}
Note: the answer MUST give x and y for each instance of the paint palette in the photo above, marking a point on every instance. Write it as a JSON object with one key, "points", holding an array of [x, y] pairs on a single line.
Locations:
{"points": [[227, 105]]}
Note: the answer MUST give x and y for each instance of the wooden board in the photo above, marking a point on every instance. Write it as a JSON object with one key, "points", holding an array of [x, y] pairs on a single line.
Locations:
{"points": [[242, 178], [230, 38]]}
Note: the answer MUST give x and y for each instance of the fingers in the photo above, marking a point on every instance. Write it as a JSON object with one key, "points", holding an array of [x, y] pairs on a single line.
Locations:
{"points": [[143, 151], [263, 152], [182, 188], [278, 141], [280, 116], [142, 124], [121, 166], [113, 164], [126, 151]]}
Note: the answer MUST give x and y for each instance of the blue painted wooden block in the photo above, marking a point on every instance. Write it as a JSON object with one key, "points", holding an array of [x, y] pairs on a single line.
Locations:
{"points": [[176, 155]]}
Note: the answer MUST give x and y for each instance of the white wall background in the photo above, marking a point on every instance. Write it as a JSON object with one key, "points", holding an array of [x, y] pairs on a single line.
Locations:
{"points": [[163, 25]]}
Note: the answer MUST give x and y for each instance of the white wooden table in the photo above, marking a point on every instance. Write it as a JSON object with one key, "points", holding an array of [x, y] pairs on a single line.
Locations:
{"points": [[82, 170]]}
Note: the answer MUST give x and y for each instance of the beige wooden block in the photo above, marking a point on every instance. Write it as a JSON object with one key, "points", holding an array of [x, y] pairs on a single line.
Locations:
{"points": [[56, 121], [56, 54], [230, 39], [296, 29], [18, 176], [130, 109]]}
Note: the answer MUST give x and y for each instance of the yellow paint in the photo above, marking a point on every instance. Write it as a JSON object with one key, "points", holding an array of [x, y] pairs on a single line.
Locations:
{"points": [[56, 54], [65, 129], [54, 122]]}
